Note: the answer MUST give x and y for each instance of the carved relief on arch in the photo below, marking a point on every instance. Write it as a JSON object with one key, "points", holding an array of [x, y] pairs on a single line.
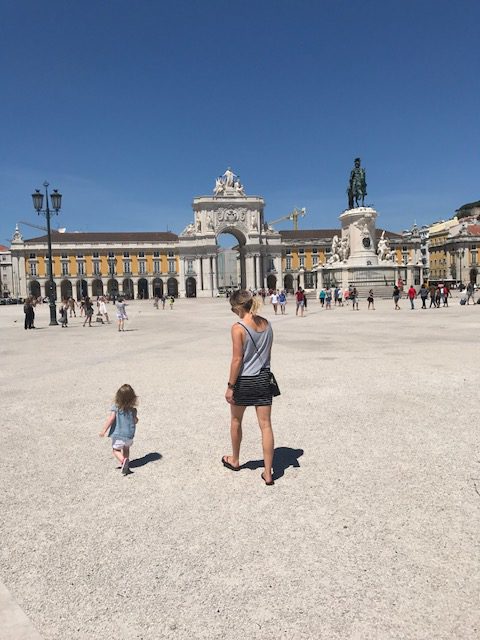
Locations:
{"points": [[227, 227], [230, 214]]}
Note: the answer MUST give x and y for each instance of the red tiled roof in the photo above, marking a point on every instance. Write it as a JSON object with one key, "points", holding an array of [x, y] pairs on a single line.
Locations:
{"points": [[2, 248], [108, 236]]}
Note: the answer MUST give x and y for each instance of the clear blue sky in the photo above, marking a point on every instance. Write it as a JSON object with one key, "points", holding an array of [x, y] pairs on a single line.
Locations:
{"points": [[131, 108]]}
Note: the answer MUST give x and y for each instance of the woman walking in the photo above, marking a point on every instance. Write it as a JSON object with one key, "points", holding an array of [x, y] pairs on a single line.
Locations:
{"points": [[370, 300], [396, 297], [121, 313], [88, 311], [29, 312], [249, 379]]}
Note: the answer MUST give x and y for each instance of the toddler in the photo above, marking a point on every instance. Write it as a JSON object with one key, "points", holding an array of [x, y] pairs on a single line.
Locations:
{"points": [[121, 425]]}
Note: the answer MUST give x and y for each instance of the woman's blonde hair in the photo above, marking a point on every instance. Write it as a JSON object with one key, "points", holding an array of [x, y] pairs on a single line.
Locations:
{"points": [[126, 398], [245, 300]]}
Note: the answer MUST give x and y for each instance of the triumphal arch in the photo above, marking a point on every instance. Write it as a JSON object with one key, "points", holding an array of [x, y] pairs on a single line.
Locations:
{"points": [[228, 210]]}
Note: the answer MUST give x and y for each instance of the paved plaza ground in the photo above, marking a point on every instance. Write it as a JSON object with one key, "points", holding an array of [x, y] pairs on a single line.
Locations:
{"points": [[371, 529]]}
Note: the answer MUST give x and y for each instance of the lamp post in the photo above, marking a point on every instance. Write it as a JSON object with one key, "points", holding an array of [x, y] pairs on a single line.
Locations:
{"points": [[56, 203]]}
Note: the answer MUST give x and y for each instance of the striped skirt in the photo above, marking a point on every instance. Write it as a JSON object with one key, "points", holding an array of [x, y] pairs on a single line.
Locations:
{"points": [[253, 391]]}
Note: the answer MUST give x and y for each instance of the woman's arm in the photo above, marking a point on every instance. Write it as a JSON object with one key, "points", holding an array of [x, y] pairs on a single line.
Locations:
{"points": [[237, 359]]}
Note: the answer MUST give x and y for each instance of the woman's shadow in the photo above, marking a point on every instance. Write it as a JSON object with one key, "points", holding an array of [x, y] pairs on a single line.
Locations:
{"points": [[141, 462], [283, 458]]}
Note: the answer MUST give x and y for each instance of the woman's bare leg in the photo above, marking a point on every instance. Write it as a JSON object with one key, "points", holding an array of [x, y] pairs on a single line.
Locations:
{"points": [[236, 417], [264, 415]]}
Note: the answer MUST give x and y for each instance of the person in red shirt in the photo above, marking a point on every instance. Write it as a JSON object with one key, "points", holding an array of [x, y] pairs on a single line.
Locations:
{"points": [[412, 294], [300, 299]]}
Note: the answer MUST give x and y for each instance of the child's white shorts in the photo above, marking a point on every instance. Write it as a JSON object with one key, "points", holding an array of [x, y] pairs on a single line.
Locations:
{"points": [[119, 444]]}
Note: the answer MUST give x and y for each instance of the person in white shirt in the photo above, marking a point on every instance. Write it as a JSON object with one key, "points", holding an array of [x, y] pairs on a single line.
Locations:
{"points": [[274, 301]]}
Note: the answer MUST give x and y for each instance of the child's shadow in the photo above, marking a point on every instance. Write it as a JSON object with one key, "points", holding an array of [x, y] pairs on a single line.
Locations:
{"points": [[283, 458], [141, 462]]}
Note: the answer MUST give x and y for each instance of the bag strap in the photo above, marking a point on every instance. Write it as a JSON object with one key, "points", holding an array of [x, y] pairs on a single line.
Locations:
{"points": [[246, 329]]}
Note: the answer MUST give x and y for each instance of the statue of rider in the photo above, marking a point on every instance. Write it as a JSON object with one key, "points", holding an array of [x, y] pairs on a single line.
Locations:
{"points": [[357, 186]]}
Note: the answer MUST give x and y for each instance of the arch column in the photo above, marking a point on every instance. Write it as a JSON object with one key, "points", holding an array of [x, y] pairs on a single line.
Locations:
{"points": [[250, 271]]}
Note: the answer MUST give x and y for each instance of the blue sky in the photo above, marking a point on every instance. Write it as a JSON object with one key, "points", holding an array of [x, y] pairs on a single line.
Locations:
{"points": [[132, 108]]}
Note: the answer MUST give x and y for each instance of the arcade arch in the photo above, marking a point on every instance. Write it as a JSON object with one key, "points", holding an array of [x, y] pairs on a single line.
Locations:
{"points": [[231, 271]]}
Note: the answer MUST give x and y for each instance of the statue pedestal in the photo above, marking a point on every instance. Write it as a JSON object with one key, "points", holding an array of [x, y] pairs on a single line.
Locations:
{"points": [[358, 225]]}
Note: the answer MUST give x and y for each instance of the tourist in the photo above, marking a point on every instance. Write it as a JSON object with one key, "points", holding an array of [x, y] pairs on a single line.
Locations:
{"points": [[171, 300], [354, 298], [433, 293], [470, 292], [370, 300], [340, 297], [155, 302], [300, 300], [71, 305], [102, 309], [82, 307], [335, 296], [282, 298], [249, 382], [163, 299], [438, 297], [446, 294], [346, 295], [63, 312], [88, 311], [274, 301], [396, 296], [29, 312], [121, 425], [423, 293], [321, 297], [412, 294], [121, 313], [328, 299]]}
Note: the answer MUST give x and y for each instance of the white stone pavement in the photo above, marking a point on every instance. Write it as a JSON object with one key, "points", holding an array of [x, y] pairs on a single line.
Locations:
{"points": [[370, 532]]}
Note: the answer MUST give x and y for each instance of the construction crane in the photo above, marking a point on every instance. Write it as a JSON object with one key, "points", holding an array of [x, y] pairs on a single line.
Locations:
{"points": [[294, 216]]}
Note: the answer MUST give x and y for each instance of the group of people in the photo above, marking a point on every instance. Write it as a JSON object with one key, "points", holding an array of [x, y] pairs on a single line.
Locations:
{"points": [[250, 384], [163, 299]]}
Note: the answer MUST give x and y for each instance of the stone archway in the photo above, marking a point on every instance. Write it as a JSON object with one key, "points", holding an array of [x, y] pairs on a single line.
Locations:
{"points": [[272, 282], [66, 289], [172, 287], [128, 288], [112, 287], [288, 282], [47, 289], [157, 287], [191, 287], [81, 289], [142, 288], [97, 288], [231, 263], [34, 288]]}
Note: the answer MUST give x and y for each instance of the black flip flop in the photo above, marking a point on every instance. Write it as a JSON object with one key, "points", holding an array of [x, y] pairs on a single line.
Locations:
{"points": [[269, 484], [228, 465]]}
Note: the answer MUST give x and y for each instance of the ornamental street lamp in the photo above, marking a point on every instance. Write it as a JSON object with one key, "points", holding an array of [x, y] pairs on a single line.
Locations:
{"points": [[56, 203]]}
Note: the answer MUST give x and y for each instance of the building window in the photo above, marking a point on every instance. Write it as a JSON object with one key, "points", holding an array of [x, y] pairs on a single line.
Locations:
{"points": [[33, 256], [65, 269], [474, 256], [141, 254], [156, 254], [288, 262], [64, 256], [141, 267], [302, 262], [301, 250], [96, 254], [156, 266], [111, 254], [171, 266], [189, 266], [126, 266], [126, 254], [315, 256], [80, 268], [171, 254], [80, 255], [288, 251], [33, 269], [96, 268], [111, 265]]}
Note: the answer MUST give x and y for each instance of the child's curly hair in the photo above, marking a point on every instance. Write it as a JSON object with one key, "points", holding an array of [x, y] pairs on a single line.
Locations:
{"points": [[126, 398]]}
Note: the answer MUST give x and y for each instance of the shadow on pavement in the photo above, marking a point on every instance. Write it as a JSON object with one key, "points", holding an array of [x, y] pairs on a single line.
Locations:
{"points": [[141, 462], [283, 458]]}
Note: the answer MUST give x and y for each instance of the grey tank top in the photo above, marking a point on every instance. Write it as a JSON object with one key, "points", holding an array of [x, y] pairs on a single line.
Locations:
{"points": [[256, 350]]}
